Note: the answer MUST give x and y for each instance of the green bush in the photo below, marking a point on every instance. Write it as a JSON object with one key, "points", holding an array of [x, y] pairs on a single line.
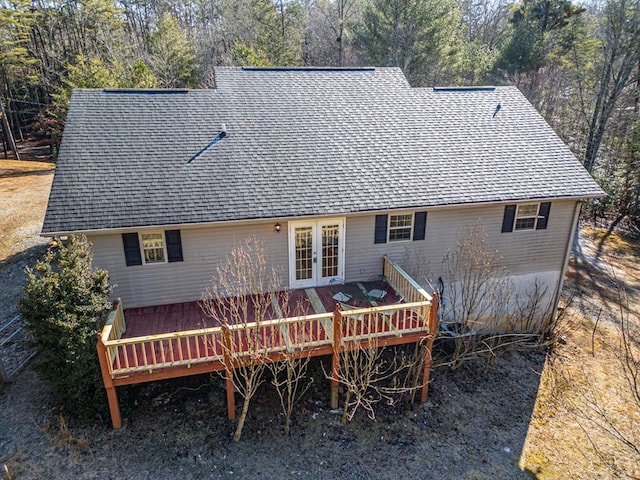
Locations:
{"points": [[64, 306]]}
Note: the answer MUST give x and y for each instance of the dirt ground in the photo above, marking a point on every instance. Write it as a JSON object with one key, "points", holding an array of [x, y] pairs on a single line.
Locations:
{"points": [[24, 191], [528, 417]]}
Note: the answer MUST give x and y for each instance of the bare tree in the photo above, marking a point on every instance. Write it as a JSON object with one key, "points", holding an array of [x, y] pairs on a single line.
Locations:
{"points": [[241, 298], [329, 31], [291, 382], [482, 314], [371, 374], [620, 50], [476, 286], [290, 372]]}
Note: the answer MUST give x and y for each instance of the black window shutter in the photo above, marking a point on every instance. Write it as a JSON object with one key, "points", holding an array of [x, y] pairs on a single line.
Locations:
{"points": [[545, 208], [381, 229], [509, 217], [419, 225], [131, 249], [174, 245]]}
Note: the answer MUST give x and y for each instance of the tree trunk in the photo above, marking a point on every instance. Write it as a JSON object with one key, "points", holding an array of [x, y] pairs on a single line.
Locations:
{"points": [[345, 411], [241, 419], [7, 131], [287, 422]]}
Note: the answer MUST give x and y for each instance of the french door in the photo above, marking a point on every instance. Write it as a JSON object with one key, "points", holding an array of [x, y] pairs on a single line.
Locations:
{"points": [[316, 252]]}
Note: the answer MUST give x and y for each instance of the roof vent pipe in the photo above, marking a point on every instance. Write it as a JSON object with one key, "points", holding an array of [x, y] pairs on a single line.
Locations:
{"points": [[220, 136]]}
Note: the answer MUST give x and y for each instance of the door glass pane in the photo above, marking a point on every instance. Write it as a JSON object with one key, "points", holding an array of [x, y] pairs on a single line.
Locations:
{"points": [[304, 253], [330, 249]]}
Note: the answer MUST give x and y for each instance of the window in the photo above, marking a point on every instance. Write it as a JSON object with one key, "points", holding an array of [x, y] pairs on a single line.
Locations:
{"points": [[400, 227], [526, 216], [153, 247]]}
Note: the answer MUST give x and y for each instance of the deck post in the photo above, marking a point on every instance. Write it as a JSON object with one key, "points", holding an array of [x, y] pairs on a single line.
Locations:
{"points": [[335, 358], [112, 395], [428, 346], [227, 350]]}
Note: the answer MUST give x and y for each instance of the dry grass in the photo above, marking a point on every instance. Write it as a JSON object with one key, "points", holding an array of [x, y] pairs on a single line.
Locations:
{"points": [[584, 404], [564, 439], [6, 474], [62, 438], [13, 467], [613, 242], [24, 190]]}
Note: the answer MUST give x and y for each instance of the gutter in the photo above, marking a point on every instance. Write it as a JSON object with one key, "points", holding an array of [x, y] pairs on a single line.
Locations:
{"points": [[136, 228]]}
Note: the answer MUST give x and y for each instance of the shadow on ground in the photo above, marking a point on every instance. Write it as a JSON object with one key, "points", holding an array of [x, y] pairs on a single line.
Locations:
{"points": [[598, 272], [25, 168], [474, 426], [20, 260]]}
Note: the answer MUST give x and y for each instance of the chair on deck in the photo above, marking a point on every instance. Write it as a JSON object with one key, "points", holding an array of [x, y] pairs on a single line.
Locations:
{"points": [[335, 285], [381, 290]]}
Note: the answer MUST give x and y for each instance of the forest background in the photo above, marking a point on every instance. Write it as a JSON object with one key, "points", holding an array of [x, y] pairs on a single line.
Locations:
{"points": [[578, 63]]}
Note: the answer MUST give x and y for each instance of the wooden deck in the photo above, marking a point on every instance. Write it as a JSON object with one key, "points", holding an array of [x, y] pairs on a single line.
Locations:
{"points": [[167, 341], [178, 317]]}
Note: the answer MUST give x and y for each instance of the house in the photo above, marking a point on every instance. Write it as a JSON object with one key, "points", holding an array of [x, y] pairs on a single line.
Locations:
{"points": [[332, 168], [163, 181]]}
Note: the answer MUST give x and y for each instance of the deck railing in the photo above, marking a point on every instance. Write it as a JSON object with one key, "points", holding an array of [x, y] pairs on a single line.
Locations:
{"points": [[128, 356], [398, 320], [280, 335], [402, 282], [191, 347], [115, 326], [151, 352], [226, 347]]}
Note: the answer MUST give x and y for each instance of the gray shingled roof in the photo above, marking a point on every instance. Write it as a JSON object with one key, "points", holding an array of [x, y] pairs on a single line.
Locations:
{"points": [[305, 142]]}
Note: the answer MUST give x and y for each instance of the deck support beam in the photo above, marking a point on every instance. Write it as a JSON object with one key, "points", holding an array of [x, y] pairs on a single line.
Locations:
{"points": [[428, 347], [112, 394], [335, 357]]}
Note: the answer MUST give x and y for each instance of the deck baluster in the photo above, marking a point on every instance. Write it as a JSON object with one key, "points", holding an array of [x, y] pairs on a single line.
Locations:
{"points": [[144, 354]]}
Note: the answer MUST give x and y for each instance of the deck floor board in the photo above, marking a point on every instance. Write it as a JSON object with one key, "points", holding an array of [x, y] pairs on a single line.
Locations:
{"points": [[180, 317]]}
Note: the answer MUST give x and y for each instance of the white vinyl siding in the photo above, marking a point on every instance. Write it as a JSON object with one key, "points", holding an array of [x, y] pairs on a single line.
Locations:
{"points": [[203, 249], [529, 252]]}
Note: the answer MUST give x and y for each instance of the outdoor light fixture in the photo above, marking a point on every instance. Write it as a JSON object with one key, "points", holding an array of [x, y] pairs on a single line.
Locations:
{"points": [[276, 227]]}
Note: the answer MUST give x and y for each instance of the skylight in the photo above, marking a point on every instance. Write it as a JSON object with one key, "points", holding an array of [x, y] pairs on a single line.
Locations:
{"points": [[144, 91]]}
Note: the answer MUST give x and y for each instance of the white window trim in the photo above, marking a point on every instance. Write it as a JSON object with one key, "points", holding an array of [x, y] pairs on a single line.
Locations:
{"points": [[536, 217], [164, 247], [389, 228]]}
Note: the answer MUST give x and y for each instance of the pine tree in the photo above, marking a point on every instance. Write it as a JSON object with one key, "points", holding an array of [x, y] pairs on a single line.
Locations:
{"points": [[64, 306], [172, 57]]}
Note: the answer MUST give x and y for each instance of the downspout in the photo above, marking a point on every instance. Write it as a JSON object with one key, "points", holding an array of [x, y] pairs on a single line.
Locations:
{"points": [[567, 255]]}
